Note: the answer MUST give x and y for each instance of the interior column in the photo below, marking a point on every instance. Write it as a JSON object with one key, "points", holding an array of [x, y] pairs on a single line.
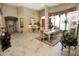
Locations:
{"points": [[2, 17], [46, 18]]}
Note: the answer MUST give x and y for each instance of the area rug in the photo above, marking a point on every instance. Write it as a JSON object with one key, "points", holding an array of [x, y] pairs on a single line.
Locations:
{"points": [[53, 42]]}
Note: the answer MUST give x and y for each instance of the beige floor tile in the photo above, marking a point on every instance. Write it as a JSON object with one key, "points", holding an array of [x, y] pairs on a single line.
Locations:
{"points": [[26, 45]]}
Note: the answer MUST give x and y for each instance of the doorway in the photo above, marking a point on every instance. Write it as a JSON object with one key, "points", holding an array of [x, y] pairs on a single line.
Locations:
{"points": [[43, 23], [11, 23]]}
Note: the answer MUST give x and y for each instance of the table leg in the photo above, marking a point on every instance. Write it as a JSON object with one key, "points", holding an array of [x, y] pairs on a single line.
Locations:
{"points": [[49, 37]]}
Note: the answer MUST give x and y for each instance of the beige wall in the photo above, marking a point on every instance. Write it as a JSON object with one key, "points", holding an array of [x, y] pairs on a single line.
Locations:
{"points": [[42, 13], [28, 13], [9, 10], [0, 19], [62, 7], [77, 5], [0, 5], [20, 15], [0, 22], [20, 12]]}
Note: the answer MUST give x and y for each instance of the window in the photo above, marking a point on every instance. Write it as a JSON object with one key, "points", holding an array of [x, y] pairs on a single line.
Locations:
{"points": [[53, 20], [62, 22], [57, 20]]}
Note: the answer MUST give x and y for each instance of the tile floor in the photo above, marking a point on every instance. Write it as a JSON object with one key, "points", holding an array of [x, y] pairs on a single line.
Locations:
{"points": [[26, 45]]}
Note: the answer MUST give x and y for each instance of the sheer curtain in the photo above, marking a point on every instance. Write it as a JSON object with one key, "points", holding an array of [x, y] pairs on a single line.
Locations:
{"points": [[62, 22], [53, 20], [60, 17], [57, 20]]}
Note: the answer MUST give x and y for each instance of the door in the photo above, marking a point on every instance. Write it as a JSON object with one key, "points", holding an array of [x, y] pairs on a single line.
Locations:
{"points": [[43, 23]]}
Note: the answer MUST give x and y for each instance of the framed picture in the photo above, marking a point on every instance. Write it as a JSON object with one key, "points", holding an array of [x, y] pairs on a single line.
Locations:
{"points": [[21, 23]]}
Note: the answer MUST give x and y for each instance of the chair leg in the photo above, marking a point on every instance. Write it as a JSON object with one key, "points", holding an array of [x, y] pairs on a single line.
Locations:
{"points": [[69, 48], [75, 48], [61, 49]]}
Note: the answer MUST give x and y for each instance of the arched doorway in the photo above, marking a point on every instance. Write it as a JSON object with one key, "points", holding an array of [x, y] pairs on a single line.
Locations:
{"points": [[11, 23]]}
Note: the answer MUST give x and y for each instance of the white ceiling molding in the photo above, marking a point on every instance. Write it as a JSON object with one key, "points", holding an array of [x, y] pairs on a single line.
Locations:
{"points": [[34, 6]]}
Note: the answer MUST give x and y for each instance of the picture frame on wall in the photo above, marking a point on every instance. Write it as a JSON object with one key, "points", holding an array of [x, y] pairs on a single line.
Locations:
{"points": [[21, 23]]}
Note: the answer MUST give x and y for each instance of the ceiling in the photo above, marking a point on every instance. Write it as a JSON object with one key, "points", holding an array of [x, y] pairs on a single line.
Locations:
{"points": [[34, 6]]}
